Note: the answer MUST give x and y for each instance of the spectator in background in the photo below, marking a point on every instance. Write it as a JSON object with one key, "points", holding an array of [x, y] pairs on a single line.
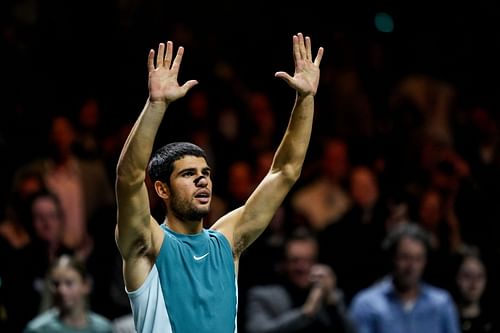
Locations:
{"points": [[70, 286], [476, 314], [324, 199], [351, 246], [438, 218], [82, 186], [240, 184], [13, 233], [263, 120], [42, 217], [306, 297], [16, 278], [89, 130], [401, 301]]}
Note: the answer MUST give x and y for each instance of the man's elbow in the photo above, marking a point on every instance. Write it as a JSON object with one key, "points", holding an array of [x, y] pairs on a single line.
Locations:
{"points": [[291, 173], [129, 177]]}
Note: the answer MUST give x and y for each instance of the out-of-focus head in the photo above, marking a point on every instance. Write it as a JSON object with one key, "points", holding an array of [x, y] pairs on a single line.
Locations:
{"points": [[471, 277], [261, 111], [47, 216], [408, 245], [335, 159], [62, 133], [90, 114], [161, 164], [69, 283], [364, 186], [300, 254], [430, 209], [240, 180], [198, 104]]}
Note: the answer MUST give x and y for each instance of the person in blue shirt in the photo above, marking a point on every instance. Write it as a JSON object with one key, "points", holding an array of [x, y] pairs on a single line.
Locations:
{"points": [[180, 276], [401, 302]]}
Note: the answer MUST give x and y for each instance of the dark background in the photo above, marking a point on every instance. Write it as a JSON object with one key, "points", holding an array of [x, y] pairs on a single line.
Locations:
{"points": [[56, 51]]}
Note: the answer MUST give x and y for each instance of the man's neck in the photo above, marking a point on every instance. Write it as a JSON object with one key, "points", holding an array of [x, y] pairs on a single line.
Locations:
{"points": [[182, 227], [406, 293]]}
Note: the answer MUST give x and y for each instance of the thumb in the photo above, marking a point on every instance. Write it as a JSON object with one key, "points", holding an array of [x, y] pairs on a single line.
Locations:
{"points": [[284, 75], [189, 84]]}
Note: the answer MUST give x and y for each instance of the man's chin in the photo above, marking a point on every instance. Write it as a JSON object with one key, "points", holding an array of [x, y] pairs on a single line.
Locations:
{"points": [[199, 214]]}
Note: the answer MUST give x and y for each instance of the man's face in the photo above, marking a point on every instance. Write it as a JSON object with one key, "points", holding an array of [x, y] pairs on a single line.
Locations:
{"points": [[300, 257], [409, 263], [190, 188]]}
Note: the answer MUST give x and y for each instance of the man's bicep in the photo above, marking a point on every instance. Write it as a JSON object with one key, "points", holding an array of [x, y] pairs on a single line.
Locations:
{"points": [[226, 224], [133, 227], [260, 209]]}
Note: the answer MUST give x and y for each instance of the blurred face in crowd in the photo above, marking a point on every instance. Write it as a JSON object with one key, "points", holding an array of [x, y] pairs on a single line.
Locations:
{"points": [[430, 209], [62, 134], [335, 160], [69, 287], [409, 263], [90, 114], [471, 279], [241, 182], [47, 218], [300, 257], [364, 187]]}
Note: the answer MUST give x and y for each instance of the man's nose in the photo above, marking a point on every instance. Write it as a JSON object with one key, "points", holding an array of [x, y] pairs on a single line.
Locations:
{"points": [[201, 181]]}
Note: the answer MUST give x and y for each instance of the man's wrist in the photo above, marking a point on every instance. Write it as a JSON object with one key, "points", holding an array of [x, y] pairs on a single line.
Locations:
{"points": [[158, 102]]}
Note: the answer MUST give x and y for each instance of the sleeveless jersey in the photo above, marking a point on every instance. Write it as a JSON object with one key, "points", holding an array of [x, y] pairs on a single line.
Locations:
{"points": [[192, 287]]}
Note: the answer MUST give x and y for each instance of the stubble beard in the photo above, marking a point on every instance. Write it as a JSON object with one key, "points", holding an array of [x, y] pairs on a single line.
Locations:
{"points": [[186, 211]]}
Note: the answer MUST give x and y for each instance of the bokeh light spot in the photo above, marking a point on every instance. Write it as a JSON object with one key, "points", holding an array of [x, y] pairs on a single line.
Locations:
{"points": [[384, 22]]}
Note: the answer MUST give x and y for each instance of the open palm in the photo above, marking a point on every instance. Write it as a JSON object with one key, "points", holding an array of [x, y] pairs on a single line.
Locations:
{"points": [[306, 77], [163, 85]]}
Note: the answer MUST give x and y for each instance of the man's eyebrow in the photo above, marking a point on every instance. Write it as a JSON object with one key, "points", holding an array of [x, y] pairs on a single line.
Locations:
{"points": [[185, 170], [207, 168]]}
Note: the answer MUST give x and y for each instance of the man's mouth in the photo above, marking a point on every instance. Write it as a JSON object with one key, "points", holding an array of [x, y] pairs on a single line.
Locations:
{"points": [[203, 196]]}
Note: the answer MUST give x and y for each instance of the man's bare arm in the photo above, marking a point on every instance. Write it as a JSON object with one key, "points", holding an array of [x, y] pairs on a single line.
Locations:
{"points": [[136, 229], [245, 224]]}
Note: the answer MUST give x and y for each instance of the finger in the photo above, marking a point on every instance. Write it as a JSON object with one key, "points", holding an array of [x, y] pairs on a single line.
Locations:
{"points": [[308, 48], [169, 53], [302, 46], [189, 84], [178, 59], [151, 57], [159, 56], [319, 56], [283, 75], [296, 51]]}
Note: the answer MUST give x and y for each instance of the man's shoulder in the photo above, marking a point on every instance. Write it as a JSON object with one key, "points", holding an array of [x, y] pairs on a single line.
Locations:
{"points": [[373, 294], [436, 294]]}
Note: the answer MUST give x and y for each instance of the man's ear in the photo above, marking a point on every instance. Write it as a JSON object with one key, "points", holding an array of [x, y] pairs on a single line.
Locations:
{"points": [[162, 189]]}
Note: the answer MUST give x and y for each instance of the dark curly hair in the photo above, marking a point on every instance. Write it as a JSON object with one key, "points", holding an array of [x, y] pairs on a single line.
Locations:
{"points": [[161, 164]]}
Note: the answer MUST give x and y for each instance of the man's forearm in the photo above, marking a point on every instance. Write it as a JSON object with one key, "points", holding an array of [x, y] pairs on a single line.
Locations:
{"points": [[139, 144], [293, 148]]}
